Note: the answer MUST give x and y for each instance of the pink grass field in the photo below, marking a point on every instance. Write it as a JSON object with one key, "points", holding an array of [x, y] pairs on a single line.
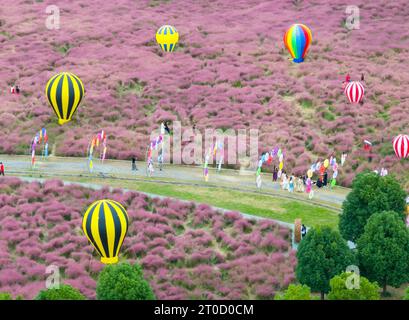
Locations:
{"points": [[187, 251], [230, 70]]}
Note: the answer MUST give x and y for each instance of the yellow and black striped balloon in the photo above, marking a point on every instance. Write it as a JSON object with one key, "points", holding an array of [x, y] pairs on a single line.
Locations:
{"points": [[64, 92], [167, 37], [105, 224]]}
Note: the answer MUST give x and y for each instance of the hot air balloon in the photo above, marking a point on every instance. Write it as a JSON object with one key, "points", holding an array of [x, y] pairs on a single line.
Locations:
{"points": [[297, 40], [167, 37], [401, 146], [64, 92], [354, 91], [105, 224]]}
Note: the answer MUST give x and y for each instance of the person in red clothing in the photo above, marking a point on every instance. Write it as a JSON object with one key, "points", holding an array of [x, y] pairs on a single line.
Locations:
{"points": [[1, 169], [348, 78]]}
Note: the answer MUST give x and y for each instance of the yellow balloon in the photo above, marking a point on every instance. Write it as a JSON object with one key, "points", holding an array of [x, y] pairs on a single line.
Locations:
{"points": [[105, 224], [309, 173], [281, 165], [326, 163], [167, 37], [64, 92]]}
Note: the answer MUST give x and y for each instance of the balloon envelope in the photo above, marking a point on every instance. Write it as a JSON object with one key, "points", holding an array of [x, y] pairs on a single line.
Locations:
{"points": [[401, 146], [309, 173], [64, 92], [326, 163], [167, 37], [105, 224], [297, 40]]}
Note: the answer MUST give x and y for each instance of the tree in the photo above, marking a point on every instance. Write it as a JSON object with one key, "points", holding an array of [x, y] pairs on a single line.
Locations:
{"points": [[64, 292], [295, 292], [383, 250], [339, 291], [321, 255], [123, 282], [370, 194]]}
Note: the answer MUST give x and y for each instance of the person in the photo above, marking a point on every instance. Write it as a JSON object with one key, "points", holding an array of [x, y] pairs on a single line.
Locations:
{"points": [[300, 184], [1, 169], [167, 128], [134, 168], [303, 230], [275, 172], [150, 169], [347, 78], [284, 181], [319, 182], [291, 184], [160, 160], [17, 89], [325, 180], [362, 77]]}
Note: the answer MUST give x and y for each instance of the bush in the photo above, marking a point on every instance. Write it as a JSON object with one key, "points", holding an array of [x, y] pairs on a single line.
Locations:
{"points": [[5, 296], [406, 297], [65, 292], [123, 282], [367, 290], [295, 292]]}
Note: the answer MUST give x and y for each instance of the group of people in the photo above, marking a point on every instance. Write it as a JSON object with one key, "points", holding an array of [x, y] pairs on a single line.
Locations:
{"points": [[291, 183], [15, 90]]}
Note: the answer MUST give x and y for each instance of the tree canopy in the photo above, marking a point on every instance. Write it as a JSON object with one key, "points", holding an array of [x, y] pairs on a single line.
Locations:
{"points": [[321, 255], [383, 250], [370, 194]]}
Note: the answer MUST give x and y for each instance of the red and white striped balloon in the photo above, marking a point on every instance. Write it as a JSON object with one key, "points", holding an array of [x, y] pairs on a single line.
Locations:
{"points": [[401, 146], [354, 91]]}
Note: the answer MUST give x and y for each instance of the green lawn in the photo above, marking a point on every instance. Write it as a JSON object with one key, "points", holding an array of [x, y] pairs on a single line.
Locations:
{"points": [[261, 205]]}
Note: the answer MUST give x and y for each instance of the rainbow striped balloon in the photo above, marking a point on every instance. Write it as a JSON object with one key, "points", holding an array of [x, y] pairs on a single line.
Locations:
{"points": [[167, 37], [297, 39]]}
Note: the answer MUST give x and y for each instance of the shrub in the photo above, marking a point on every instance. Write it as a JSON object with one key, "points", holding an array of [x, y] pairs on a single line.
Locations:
{"points": [[65, 292], [295, 292], [406, 296], [367, 290], [123, 282]]}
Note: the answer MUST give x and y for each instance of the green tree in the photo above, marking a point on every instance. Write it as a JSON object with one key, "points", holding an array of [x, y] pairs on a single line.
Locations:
{"points": [[370, 194], [367, 290], [123, 282], [383, 250], [295, 292], [64, 292], [321, 255]]}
